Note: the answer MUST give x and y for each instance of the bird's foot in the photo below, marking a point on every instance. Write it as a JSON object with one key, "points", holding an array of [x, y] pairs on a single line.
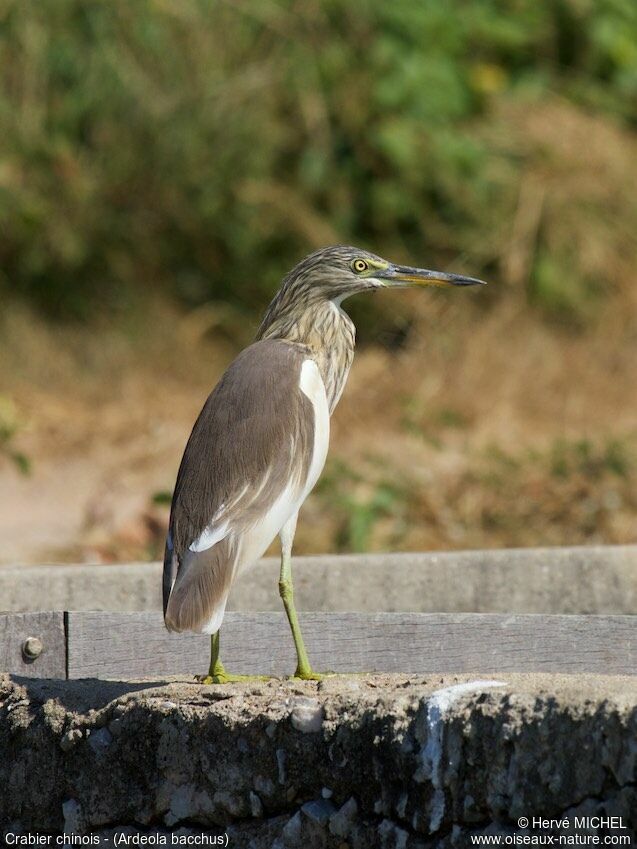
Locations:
{"points": [[223, 677], [311, 675]]}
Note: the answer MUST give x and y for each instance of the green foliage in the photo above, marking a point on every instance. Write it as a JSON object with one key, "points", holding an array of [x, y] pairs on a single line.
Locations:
{"points": [[566, 459], [592, 461], [162, 498], [202, 146], [561, 290], [9, 427], [363, 505]]}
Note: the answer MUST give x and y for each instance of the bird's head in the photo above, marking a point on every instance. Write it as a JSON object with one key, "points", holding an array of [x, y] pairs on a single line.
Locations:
{"points": [[339, 271], [335, 273]]}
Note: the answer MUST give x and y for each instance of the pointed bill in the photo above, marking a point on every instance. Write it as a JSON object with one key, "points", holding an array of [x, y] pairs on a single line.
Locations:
{"points": [[404, 275]]}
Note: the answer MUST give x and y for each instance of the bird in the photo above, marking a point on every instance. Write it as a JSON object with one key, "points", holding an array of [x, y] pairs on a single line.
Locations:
{"points": [[261, 440]]}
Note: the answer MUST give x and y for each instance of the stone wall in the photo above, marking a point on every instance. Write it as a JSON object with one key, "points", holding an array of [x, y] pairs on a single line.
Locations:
{"points": [[349, 763]]}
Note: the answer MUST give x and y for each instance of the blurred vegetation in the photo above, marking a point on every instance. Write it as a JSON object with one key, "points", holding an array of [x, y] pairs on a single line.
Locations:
{"points": [[524, 498], [361, 505], [200, 148], [9, 427]]}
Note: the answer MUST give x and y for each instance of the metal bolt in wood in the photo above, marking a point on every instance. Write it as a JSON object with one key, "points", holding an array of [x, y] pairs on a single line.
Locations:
{"points": [[32, 648]]}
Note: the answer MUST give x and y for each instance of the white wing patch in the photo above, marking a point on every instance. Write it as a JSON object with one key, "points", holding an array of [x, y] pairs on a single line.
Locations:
{"points": [[218, 529], [209, 536], [253, 544]]}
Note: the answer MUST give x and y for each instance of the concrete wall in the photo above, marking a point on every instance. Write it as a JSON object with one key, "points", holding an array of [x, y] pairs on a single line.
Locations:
{"points": [[599, 579], [350, 763]]}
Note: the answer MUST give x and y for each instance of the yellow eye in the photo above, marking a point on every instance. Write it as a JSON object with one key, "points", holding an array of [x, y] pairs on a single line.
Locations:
{"points": [[360, 265]]}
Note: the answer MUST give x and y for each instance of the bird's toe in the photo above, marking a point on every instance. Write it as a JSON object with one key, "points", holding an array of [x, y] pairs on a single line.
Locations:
{"points": [[228, 678], [311, 675]]}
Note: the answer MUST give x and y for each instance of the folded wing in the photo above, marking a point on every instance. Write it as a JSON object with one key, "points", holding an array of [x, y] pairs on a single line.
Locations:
{"points": [[244, 473]]}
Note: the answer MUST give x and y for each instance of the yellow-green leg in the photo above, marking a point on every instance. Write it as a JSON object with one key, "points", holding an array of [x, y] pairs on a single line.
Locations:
{"points": [[286, 591], [217, 673]]}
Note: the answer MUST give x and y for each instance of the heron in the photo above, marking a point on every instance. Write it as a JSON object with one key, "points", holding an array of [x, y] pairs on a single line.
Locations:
{"points": [[260, 442]]}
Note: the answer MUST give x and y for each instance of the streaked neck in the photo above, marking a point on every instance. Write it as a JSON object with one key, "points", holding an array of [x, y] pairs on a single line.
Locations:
{"points": [[327, 331]]}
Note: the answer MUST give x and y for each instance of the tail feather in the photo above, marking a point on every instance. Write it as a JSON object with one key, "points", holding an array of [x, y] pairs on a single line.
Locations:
{"points": [[195, 599]]}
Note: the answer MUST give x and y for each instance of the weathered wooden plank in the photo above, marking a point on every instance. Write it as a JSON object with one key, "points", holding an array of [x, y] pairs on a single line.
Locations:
{"points": [[582, 579], [45, 655], [129, 645]]}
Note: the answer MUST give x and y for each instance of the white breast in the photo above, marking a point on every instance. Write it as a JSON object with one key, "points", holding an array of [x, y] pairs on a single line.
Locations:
{"points": [[311, 384]]}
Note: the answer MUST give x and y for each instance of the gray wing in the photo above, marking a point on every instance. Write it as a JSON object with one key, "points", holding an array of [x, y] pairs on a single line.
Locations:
{"points": [[254, 433]]}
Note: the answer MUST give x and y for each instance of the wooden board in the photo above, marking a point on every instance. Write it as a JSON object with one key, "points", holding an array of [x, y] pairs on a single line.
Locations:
{"points": [[48, 627], [585, 579], [131, 645]]}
